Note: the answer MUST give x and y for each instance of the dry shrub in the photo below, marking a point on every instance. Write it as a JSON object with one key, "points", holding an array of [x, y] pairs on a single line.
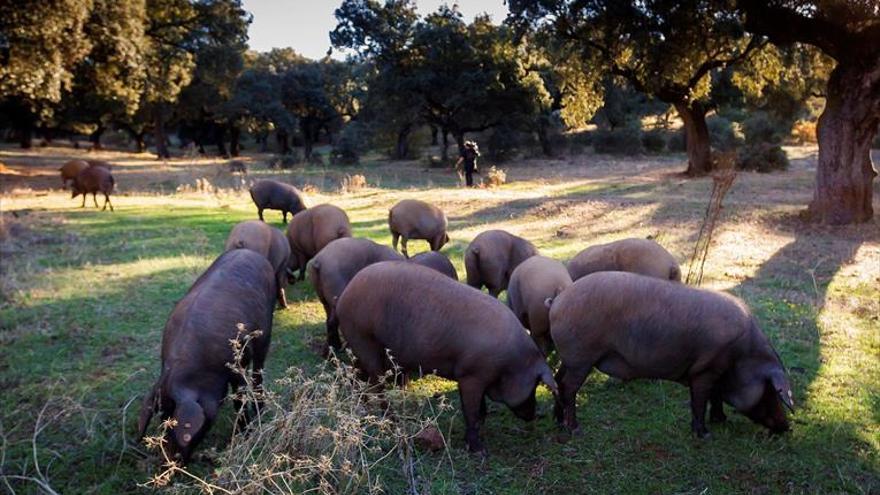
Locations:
{"points": [[310, 189], [804, 132], [352, 183], [324, 432], [495, 177], [202, 185]]}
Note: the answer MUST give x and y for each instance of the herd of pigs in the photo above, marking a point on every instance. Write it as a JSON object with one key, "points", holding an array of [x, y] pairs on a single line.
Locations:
{"points": [[619, 307]]}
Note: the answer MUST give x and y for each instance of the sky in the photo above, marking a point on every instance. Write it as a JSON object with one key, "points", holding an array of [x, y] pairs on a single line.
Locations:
{"points": [[304, 25]]}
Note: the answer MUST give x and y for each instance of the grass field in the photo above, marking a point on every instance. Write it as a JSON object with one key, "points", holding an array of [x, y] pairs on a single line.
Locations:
{"points": [[85, 295]]}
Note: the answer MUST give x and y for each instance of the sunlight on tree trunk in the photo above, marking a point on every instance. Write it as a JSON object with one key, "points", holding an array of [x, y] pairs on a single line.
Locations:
{"points": [[699, 149], [845, 173]]}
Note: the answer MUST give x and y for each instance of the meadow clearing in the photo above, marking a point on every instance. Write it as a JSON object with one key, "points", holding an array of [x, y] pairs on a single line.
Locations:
{"points": [[84, 296]]}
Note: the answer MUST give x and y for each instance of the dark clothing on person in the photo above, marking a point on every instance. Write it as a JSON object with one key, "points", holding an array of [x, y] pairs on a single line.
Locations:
{"points": [[470, 165]]}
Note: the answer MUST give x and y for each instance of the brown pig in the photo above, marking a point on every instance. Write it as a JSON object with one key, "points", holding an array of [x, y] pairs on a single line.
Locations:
{"points": [[492, 256], [642, 256], [310, 231], [71, 169], [332, 269], [100, 163], [533, 285], [436, 261], [94, 180], [268, 241], [414, 219], [238, 288], [273, 195], [430, 323], [632, 326]]}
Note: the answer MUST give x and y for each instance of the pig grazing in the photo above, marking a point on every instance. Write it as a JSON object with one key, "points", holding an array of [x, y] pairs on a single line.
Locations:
{"points": [[436, 261], [268, 241], [238, 288], [71, 169], [631, 326], [533, 284], [310, 231], [414, 219], [94, 180], [273, 195], [430, 323], [332, 269], [642, 256], [492, 256]]}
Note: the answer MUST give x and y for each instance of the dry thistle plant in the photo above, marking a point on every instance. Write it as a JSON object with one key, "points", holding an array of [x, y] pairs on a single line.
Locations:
{"points": [[352, 183], [325, 432], [495, 177]]}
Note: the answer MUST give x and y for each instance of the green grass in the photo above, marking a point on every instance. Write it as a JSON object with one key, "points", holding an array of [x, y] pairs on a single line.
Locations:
{"points": [[85, 296]]}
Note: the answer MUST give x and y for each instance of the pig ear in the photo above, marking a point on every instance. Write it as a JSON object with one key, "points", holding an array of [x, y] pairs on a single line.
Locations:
{"points": [[547, 378], [190, 419], [783, 389], [548, 302]]}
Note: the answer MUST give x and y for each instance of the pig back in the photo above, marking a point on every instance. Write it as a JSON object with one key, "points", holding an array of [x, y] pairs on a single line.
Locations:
{"points": [[431, 322], [239, 287], [660, 329], [334, 266]]}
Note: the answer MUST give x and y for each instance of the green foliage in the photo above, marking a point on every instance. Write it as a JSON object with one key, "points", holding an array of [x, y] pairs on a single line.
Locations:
{"points": [[761, 128], [654, 140], [762, 157], [350, 144], [722, 134], [504, 144], [621, 141]]}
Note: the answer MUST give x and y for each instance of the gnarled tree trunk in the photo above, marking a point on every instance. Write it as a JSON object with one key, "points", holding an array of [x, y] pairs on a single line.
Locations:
{"points": [[159, 135], [401, 150], [699, 149], [844, 175]]}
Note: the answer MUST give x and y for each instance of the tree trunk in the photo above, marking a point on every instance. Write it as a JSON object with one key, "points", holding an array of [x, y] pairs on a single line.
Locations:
{"points": [[282, 138], [95, 138], [699, 149], [401, 151], [434, 132], [543, 136], [459, 140], [25, 136], [140, 144], [159, 135], [444, 155], [234, 140], [846, 128], [220, 140]]}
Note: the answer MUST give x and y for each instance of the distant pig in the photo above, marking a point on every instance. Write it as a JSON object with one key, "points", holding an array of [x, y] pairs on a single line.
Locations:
{"points": [[273, 195], [533, 285], [71, 169], [430, 323], [436, 261], [268, 241], [414, 219], [631, 326], [94, 180], [310, 231], [492, 256], [642, 256], [238, 288], [332, 269]]}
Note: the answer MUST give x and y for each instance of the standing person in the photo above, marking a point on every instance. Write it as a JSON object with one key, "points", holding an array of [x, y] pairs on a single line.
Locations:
{"points": [[469, 157]]}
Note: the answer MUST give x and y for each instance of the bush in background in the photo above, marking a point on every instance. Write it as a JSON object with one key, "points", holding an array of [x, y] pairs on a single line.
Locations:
{"points": [[804, 132], [762, 157], [723, 134], [654, 140], [503, 144], [760, 127], [620, 141], [349, 145], [677, 142]]}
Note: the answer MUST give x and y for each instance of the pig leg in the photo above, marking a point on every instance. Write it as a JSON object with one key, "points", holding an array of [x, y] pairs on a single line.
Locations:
{"points": [[483, 411], [394, 238], [333, 339], [701, 389], [569, 380], [403, 247], [472, 398], [84, 201], [260, 213], [283, 216], [716, 411], [95, 199], [107, 202]]}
